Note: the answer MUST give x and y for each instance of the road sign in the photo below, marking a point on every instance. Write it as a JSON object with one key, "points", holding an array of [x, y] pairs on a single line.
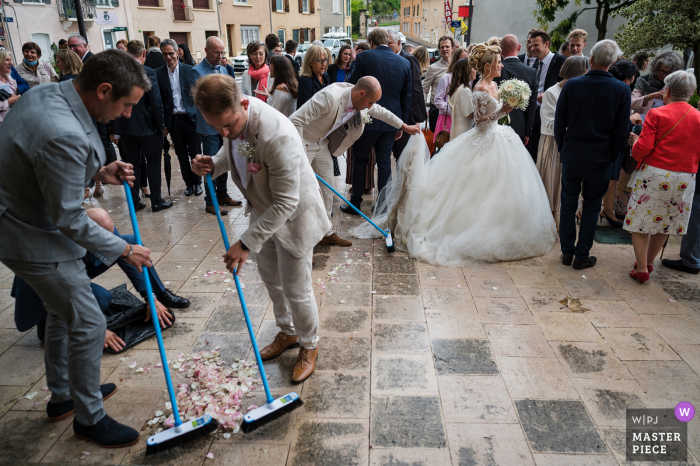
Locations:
{"points": [[455, 24], [118, 28], [459, 25], [396, 15], [9, 19], [464, 11]]}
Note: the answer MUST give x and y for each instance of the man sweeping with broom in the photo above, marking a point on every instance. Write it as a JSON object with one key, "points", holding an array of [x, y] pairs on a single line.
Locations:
{"points": [[265, 155]]}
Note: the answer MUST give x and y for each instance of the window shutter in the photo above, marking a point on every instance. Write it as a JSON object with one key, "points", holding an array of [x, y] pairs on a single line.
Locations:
{"points": [[274, 5], [286, 6], [311, 7], [115, 3], [47, 2], [313, 31], [301, 6], [336, 6]]}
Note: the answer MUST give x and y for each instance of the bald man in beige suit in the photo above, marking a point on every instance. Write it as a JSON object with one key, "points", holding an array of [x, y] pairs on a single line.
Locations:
{"points": [[331, 121]]}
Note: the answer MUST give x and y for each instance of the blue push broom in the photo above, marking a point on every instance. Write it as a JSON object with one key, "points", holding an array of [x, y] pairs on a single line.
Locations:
{"points": [[386, 234], [181, 433], [273, 409]]}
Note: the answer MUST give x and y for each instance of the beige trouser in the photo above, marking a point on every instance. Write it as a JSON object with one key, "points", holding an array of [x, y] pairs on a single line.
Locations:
{"points": [[322, 163], [288, 281]]}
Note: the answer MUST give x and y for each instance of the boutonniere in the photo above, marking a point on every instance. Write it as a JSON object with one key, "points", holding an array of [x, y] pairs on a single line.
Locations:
{"points": [[247, 149], [253, 168], [366, 119]]}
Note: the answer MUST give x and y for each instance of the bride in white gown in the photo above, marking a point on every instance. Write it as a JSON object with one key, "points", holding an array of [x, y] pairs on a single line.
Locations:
{"points": [[480, 199]]}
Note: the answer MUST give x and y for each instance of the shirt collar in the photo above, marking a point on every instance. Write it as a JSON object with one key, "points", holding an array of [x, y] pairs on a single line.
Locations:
{"points": [[177, 67], [548, 58], [83, 57], [512, 56], [348, 106]]}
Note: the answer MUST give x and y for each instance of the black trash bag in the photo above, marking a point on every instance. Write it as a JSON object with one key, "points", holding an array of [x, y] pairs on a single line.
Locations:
{"points": [[125, 317]]}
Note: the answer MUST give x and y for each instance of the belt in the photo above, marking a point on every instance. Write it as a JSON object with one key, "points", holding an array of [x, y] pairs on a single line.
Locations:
{"points": [[180, 115]]}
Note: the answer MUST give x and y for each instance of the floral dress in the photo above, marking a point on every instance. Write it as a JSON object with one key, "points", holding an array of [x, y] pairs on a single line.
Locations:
{"points": [[660, 201]]}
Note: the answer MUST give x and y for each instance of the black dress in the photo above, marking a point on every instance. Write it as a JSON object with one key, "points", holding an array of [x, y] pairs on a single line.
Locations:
{"points": [[308, 86]]}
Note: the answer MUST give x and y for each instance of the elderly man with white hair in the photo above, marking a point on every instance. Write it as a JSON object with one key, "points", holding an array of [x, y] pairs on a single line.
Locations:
{"points": [[590, 129], [78, 44]]}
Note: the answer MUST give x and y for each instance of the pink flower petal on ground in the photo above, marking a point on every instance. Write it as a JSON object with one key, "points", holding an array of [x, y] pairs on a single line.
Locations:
{"points": [[251, 407], [670, 300], [210, 455]]}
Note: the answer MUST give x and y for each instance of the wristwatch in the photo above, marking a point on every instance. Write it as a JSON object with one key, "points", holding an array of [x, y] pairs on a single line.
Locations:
{"points": [[243, 246], [131, 251]]}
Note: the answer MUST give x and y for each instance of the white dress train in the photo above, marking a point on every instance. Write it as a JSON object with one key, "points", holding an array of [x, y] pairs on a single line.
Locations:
{"points": [[480, 199]]}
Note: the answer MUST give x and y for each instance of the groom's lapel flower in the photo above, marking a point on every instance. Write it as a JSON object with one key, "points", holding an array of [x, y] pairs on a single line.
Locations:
{"points": [[366, 119], [247, 149]]}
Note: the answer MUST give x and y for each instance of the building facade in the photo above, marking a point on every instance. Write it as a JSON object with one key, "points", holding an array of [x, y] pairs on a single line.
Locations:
{"points": [[335, 16], [244, 21], [299, 20]]}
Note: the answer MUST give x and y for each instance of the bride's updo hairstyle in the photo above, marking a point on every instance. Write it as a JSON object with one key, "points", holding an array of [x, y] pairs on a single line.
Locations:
{"points": [[483, 54]]}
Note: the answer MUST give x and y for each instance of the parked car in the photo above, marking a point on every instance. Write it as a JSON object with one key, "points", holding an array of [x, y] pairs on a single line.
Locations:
{"points": [[433, 55], [240, 63], [335, 40], [301, 50]]}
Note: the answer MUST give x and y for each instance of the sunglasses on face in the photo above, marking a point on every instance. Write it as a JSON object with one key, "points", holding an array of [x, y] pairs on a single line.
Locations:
{"points": [[321, 62]]}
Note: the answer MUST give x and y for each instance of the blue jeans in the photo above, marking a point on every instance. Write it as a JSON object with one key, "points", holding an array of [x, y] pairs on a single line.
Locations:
{"points": [[210, 145], [690, 245], [592, 183]]}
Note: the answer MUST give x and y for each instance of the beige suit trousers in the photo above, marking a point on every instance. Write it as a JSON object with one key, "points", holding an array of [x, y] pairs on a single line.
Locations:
{"points": [[288, 281], [322, 163]]}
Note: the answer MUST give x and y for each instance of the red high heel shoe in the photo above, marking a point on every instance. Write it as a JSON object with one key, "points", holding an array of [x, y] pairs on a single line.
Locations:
{"points": [[641, 276], [650, 268]]}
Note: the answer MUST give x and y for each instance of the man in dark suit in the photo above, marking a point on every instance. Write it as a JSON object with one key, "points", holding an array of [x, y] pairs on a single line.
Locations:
{"points": [[290, 49], [143, 133], [528, 57], [417, 113], [394, 76], [79, 45], [590, 129], [547, 65], [180, 113], [521, 121]]}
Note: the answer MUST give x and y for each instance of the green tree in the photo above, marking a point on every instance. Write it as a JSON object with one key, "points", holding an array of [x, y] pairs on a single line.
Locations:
{"points": [[652, 24], [385, 7], [355, 8], [547, 9]]}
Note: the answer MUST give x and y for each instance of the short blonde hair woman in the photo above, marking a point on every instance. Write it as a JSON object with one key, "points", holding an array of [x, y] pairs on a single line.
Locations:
{"points": [[313, 74], [69, 64]]}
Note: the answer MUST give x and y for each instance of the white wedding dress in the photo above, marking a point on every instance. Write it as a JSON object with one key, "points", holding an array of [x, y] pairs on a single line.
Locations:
{"points": [[480, 199]]}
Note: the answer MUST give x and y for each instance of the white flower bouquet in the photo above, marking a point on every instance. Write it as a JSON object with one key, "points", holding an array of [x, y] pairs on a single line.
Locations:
{"points": [[514, 93]]}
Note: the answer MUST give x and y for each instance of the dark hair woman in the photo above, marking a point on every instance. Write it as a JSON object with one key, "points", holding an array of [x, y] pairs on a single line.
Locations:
{"points": [[184, 55], [283, 97], [460, 98], [338, 71], [256, 79], [32, 70]]}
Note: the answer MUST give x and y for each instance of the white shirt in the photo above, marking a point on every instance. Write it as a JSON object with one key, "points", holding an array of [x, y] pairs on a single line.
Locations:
{"points": [[347, 114], [240, 161], [174, 77]]}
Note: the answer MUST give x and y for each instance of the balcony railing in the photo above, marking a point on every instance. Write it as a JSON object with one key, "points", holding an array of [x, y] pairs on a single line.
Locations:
{"points": [[66, 10], [182, 12], [201, 4]]}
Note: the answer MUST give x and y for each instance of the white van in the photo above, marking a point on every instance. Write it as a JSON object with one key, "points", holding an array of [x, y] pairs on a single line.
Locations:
{"points": [[335, 40]]}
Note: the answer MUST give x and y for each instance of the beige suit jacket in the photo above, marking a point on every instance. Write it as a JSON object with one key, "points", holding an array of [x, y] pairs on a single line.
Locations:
{"points": [[317, 117], [284, 192]]}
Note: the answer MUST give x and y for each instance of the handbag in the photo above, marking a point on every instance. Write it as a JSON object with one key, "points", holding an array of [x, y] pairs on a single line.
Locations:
{"points": [[429, 136], [634, 173], [442, 138]]}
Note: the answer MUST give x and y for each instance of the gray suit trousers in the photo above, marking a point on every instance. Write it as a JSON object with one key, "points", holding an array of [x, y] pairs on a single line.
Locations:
{"points": [[288, 281], [322, 164], [75, 333]]}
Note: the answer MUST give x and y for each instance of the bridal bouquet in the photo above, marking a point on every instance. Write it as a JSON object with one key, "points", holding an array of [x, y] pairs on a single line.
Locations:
{"points": [[515, 93]]}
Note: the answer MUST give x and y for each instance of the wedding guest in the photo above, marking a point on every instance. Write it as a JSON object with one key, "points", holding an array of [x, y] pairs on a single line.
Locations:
{"points": [[663, 187], [444, 121], [283, 97], [184, 55], [6, 79], [62, 44], [22, 85], [313, 74], [421, 54], [460, 98], [32, 70], [369, 174], [68, 63], [529, 57], [278, 50], [642, 62], [648, 87], [290, 49], [257, 76], [520, 120], [229, 68], [154, 58], [565, 50], [208, 138], [589, 136], [577, 42], [272, 41], [548, 159], [359, 47], [547, 65], [494, 40], [408, 48], [338, 71], [79, 45], [121, 44], [436, 71]]}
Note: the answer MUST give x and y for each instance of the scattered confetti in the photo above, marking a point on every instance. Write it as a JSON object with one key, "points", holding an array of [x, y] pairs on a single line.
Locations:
{"points": [[495, 287], [385, 297], [251, 407], [122, 359], [435, 278], [52, 435], [227, 435], [31, 395], [178, 266], [342, 301], [210, 455], [84, 455], [133, 365], [583, 276], [670, 300], [166, 283], [459, 286]]}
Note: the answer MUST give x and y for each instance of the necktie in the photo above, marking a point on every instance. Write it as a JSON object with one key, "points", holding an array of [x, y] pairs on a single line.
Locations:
{"points": [[538, 72]]}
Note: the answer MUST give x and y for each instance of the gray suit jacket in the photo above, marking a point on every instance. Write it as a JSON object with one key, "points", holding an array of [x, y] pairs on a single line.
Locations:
{"points": [[49, 152], [284, 192]]}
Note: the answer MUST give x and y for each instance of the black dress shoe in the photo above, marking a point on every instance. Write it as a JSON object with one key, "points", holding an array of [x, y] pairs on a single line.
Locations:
{"points": [[140, 205], [680, 266], [348, 210], [171, 300], [566, 259], [162, 205], [107, 433], [584, 263], [189, 191], [58, 411], [198, 190]]}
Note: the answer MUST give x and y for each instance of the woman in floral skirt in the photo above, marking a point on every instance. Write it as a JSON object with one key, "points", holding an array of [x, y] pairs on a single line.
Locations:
{"points": [[664, 184]]}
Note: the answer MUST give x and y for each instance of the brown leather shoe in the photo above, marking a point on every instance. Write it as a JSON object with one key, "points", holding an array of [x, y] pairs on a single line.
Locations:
{"points": [[230, 201], [335, 240], [210, 210], [306, 364], [281, 342]]}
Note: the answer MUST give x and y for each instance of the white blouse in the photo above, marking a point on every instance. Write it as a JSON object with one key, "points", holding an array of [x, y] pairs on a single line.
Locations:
{"points": [[283, 102], [549, 108], [461, 107]]}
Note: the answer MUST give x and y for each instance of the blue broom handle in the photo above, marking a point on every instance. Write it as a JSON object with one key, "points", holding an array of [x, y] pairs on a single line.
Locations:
{"points": [[154, 313], [224, 236], [348, 203]]}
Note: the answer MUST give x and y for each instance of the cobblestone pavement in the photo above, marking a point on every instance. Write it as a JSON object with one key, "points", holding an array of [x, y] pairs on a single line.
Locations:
{"points": [[418, 365]]}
